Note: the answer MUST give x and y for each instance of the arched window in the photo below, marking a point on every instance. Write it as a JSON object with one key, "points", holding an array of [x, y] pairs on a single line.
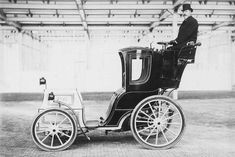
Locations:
{"points": [[139, 67]]}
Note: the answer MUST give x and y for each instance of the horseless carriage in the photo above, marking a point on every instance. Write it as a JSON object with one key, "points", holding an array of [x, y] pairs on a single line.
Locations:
{"points": [[141, 105]]}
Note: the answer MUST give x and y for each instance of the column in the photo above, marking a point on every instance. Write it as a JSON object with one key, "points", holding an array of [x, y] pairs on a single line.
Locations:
{"points": [[232, 47]]}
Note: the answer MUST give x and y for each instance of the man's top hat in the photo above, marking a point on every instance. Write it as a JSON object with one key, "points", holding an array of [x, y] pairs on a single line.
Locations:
{"points": [[187, 7]]}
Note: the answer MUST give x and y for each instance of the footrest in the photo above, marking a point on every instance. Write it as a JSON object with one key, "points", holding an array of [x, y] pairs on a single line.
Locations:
{"points": [[92, 123]]}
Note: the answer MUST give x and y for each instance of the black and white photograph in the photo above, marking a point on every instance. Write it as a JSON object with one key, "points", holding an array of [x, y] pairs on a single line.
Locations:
{"points": [[117, 78]]}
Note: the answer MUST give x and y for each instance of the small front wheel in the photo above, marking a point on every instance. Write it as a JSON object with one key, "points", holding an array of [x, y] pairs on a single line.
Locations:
{"points": [[53, 130], [157, 122]]}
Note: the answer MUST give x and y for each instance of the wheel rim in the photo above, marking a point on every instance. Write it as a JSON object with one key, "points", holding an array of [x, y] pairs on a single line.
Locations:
{"points": [[158, 123], [53, 130]]}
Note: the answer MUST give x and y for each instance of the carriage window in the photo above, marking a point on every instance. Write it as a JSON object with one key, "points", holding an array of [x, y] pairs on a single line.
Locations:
{"points": [[139, 68], [136, 69]]}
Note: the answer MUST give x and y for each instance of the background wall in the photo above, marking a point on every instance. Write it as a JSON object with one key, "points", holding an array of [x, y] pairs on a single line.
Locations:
{"points": [[95, 66]]}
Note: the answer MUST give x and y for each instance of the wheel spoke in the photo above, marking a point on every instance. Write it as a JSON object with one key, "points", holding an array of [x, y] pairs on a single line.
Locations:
{"points": [[59, 139], [50, 123], [141, 117], [156, 137], [64, 134], [145, 129], [43, 126], [55, 118], [171, 116], [62, 121], [149, 134], [46, 137], [41, 131], [171, 131], [159, 108], [52, 140], [142, 121], [166, 111], [152, 110], [173, 123], [66, 128], [163, 134], [142, 125], [146, 114]]}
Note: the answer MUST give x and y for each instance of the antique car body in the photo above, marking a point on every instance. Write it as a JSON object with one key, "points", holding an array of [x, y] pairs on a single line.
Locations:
{"points": [[139, 105]]}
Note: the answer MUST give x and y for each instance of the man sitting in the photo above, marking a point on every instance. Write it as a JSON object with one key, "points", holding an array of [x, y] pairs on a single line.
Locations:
{"points": [[188, 29]]}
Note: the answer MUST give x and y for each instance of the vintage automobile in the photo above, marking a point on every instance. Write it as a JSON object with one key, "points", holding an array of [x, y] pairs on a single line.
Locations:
{"points": [[141, 105]]}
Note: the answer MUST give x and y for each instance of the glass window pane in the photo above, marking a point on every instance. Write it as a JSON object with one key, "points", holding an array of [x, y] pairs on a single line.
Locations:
{"points": [[136, 69]]}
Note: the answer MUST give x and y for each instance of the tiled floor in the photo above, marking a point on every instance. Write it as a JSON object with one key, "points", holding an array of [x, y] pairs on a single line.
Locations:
{"points": [[210, 132]]}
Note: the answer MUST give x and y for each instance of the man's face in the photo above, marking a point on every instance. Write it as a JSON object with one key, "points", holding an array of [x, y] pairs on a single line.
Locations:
{"points": [[186, 13]]}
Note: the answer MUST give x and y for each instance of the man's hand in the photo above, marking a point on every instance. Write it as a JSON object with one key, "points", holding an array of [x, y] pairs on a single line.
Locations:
{"points": [[190, 43], [173, 42]]}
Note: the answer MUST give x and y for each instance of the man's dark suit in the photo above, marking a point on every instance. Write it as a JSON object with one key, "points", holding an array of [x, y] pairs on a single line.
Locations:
{"points": [[187, 32]]}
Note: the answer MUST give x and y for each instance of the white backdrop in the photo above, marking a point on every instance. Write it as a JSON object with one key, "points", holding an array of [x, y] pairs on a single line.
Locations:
{"points": [[95, 65]]}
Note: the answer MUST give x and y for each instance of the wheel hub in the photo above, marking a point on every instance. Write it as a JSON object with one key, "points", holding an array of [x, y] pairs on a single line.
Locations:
{"points": [[158, 122], [54, 129]]}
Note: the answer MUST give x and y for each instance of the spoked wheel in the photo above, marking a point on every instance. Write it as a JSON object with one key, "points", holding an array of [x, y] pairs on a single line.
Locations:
{"points": [[53, 130], [157, 122]]}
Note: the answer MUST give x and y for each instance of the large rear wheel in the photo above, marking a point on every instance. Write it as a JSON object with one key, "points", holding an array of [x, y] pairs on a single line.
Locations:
{"points": [[157, 122], [53, 130]]}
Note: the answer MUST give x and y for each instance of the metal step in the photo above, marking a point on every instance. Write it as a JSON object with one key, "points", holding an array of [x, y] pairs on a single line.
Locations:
{"points": [[92, 123]]}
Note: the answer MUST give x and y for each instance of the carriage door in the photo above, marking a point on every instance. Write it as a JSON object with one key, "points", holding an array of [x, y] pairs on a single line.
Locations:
{"points": [[139, 67]]}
